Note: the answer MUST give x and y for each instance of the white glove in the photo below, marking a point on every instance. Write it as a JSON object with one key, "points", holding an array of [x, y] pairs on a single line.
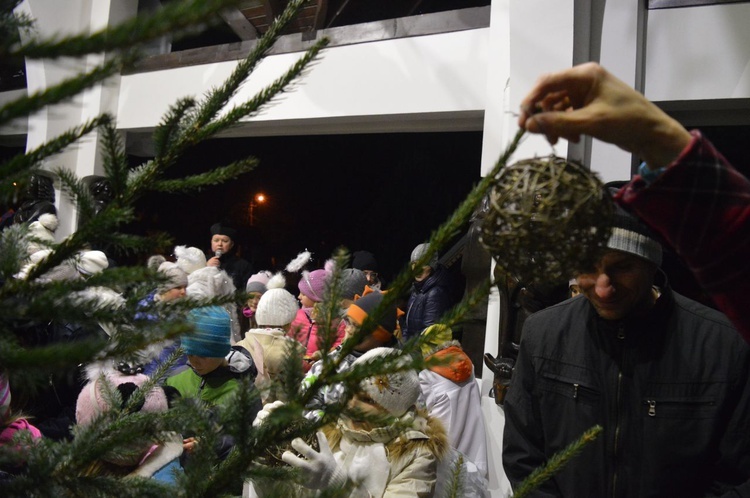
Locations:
{"points": [[265, 412], [368, 467], [320, 470]]}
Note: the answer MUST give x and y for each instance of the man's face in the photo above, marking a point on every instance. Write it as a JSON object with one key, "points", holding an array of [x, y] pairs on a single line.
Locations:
{"points": [[619, 285]]}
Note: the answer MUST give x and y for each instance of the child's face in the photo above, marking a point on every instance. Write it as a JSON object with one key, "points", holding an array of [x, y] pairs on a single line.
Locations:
{"points": [[252, 302], [350, 327], [173, 294], [426, 271], [362, 407], [306, 301], [203, 365], [222, 243]]}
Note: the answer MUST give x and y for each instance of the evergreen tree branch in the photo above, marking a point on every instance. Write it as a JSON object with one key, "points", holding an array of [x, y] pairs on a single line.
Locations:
{"points": [[263, 97], [218, 98], [167, 132], [173, 17], [213, 177], [18, 168], [26, 105], [115, 160], [556, 463]]}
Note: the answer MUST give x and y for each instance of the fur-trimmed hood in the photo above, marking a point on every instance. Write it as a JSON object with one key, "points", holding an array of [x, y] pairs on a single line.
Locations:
{"points": [[423, 433], [451, 362]]}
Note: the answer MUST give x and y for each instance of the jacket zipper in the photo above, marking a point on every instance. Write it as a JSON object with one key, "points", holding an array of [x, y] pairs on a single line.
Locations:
{"points": [[651, 403], [621, 337]]}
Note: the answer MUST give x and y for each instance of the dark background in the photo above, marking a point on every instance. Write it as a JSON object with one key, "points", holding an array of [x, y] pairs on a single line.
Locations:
{"points": [[384, 193]]}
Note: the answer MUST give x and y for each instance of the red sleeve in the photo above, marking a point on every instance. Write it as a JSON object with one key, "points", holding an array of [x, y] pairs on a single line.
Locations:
{"points": [[701, 207]]}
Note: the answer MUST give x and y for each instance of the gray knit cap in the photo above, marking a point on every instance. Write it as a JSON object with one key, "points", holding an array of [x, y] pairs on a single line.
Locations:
{"points": [[175, 277], [353, 283], [420, 251]]}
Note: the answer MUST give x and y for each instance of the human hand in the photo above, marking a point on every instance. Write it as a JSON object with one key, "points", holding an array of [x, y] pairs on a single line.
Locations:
{"points": [[213, 262], [319, 469], [265, 412], [188, 444], [587, 99]]}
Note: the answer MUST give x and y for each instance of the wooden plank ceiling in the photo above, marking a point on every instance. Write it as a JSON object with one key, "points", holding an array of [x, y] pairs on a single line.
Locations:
{"points": [[251, 18]]}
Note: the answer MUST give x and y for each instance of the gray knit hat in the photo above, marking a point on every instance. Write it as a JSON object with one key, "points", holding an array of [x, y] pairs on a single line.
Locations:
{"points": [[258, 281], [353, 283], [175, 277], [420, 251], [633, 237]]}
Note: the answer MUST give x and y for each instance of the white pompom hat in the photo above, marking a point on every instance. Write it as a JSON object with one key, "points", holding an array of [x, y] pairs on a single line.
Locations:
{"points": [[397, 391], [277, 306]]}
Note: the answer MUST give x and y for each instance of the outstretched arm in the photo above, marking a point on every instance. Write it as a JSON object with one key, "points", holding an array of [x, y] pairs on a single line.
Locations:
{"points": [[588, 100]]}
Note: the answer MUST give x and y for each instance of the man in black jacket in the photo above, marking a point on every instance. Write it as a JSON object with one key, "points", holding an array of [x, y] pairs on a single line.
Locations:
{"points": [[667, 378]]}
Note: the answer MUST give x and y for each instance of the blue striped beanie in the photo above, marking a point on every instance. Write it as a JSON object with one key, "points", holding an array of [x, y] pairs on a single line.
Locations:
{"points": [[212, 331]]}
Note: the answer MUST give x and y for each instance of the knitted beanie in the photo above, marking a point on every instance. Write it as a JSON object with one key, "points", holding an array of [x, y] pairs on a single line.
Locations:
{"points": [[365, 305], [91, 262], [394, 391], [631, 236], [353, 283], [258, 282], [313, 284], [277, 306], [92, 400], [212, 332], [364, 260], [175, 277], [4, 398], [420, 251], [189, 259], [208, 282], [154, 262]]}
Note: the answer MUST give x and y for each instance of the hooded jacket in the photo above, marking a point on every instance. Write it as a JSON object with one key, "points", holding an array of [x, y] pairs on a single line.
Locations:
{"points": [[670, 390], [450, 393], [412, 455]]}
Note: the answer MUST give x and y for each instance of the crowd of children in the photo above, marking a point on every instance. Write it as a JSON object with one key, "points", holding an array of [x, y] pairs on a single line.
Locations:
{"points": [[392, 434]]}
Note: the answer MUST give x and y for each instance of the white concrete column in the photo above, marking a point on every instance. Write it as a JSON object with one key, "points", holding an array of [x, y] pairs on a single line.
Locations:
{"points": [[55, 18], [527, 39]]}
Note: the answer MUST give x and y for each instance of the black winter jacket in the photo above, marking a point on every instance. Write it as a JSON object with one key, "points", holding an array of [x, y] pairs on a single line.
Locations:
{"points": [[428, 301], [670, 390]]}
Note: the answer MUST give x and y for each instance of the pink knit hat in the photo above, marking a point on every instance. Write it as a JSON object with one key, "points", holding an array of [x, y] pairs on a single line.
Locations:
{"points": [[313, 284]]}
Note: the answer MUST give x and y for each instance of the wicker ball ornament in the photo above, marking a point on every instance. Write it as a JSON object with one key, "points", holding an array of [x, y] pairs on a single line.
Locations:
{"points": [[548, 219]]}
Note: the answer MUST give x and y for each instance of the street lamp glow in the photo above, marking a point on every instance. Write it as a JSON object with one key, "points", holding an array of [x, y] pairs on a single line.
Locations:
{"points": [[260, 198]]}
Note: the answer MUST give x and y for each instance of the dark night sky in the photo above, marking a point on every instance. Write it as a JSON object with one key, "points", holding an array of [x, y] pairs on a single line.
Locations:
{"points": [[384, 193]]}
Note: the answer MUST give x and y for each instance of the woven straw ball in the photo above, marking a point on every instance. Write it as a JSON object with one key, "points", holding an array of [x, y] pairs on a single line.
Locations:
{"points": [[548, 219]]}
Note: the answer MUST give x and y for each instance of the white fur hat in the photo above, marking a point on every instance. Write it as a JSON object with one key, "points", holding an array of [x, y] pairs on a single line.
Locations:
{"points": [[277, 306], [394, 391], [189, 259], [91, 262], [44, 230], [209, 282]]}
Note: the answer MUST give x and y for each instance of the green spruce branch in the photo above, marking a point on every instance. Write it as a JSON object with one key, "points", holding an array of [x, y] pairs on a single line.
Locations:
{"points": [[541, 474]]}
